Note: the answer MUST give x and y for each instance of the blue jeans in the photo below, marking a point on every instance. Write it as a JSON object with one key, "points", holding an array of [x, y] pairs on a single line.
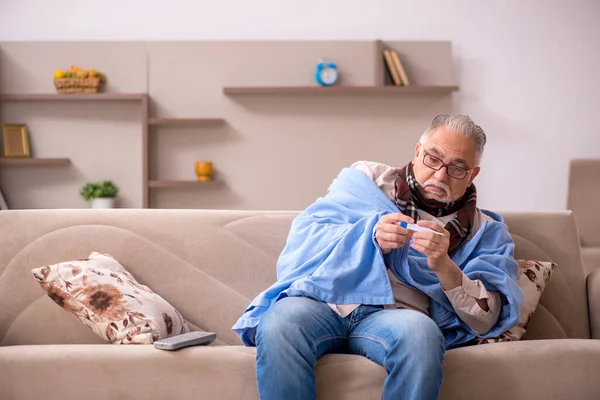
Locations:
{"points": [[296, 331]]}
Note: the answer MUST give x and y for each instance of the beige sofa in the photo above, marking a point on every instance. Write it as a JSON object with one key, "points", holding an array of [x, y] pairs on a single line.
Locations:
{"points": [[209, 265], [583, 194]]}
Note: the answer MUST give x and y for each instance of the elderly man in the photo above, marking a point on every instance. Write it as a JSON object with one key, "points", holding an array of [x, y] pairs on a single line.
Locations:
{"points": [[395, 264]]}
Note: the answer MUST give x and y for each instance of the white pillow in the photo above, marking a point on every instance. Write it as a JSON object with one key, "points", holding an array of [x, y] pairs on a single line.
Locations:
{"points": [[532, 279], [106, 298]]}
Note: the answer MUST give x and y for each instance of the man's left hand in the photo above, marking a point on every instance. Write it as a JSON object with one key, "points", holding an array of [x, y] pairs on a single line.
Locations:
{"points": [[435, 247]]}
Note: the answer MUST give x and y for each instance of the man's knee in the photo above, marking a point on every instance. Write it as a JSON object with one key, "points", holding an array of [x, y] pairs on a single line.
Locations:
{"points": [[413, 339], [284, 320], [417, 331], [424, 329]]}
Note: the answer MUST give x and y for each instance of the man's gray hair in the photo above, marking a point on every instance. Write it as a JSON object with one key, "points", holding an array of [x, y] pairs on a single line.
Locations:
{"points": [[459, 123]]}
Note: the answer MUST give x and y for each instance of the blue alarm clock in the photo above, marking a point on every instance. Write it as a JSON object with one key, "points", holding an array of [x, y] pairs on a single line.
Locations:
{"points": [[327, 73]]}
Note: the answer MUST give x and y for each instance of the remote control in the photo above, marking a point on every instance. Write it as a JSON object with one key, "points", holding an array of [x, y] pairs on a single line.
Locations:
{"points": [[184, 340]]}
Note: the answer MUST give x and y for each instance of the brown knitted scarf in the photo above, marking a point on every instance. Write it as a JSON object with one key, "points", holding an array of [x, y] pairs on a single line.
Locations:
{"points": [[410, 197]]}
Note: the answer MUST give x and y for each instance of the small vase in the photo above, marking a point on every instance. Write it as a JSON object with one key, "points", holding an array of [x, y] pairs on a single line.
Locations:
{"points": [[103, 202], [204, 170]]}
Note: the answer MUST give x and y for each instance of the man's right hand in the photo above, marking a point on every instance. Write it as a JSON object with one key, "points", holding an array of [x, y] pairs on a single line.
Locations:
{"points": [[389, 234]]}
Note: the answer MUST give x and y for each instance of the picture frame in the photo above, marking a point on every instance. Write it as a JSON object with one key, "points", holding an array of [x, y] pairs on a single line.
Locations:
{"points": [[15, 140]]}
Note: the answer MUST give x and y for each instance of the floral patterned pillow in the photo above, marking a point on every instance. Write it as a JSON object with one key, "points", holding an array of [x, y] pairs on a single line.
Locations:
{"points": [[106, 298], [532, 279]]}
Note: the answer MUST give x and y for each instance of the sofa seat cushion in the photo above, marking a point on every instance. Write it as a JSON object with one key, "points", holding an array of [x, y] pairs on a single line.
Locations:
{"points": [[542, 369], [107, 371], [554, 369], [94, 372]]}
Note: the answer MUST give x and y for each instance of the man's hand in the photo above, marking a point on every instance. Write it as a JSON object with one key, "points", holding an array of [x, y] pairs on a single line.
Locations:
{"points": [[435, 247], [389, 234]]}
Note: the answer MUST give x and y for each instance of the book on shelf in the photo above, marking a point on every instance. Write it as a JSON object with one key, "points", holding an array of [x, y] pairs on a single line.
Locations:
{"points": [[3, 204], [395, 68], [391, 69]]}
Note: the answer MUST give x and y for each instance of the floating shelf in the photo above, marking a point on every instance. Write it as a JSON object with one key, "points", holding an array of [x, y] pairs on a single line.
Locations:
{"points": [[383, 89], [183, 184], [34, 162], [74, 97], [185, 121]]}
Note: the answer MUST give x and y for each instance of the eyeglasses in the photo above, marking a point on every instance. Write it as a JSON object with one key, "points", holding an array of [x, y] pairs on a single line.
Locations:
{"points": [[436, 164]]}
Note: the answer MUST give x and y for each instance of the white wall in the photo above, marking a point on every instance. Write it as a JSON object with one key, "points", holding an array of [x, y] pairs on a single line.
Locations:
{"points": [[528, 71]]}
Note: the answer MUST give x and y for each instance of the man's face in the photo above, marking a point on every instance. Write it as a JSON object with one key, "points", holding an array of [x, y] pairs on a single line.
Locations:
{"points": [[452, 148]]}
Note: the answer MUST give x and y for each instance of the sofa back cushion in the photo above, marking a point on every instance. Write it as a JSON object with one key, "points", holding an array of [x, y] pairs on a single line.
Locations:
{"points": [[562, 311], [583, 192], [210, 264], [206, 264]]}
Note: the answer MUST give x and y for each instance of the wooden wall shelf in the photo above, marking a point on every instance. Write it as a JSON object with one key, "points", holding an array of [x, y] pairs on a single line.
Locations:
{"points": [[182, 184], [185, 121], [74, 97], [428, 65], [383, 89], [34, 162], [142, 99]]}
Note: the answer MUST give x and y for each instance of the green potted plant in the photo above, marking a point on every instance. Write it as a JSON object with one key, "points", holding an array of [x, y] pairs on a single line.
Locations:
{"points": [[102, 194]]}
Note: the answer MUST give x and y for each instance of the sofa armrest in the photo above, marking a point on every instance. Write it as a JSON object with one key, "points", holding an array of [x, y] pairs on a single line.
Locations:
{"points": [[593, 291]]}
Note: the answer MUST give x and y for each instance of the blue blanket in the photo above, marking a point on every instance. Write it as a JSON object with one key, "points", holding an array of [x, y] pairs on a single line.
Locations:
{"points": [[331, 255]]}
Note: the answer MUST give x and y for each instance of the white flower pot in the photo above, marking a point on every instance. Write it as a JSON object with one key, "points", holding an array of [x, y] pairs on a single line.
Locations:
{"points": [[103, 203]]}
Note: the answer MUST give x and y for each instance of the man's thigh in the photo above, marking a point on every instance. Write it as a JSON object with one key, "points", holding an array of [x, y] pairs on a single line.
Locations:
{"points": [[379, 333], [303, 321]]}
